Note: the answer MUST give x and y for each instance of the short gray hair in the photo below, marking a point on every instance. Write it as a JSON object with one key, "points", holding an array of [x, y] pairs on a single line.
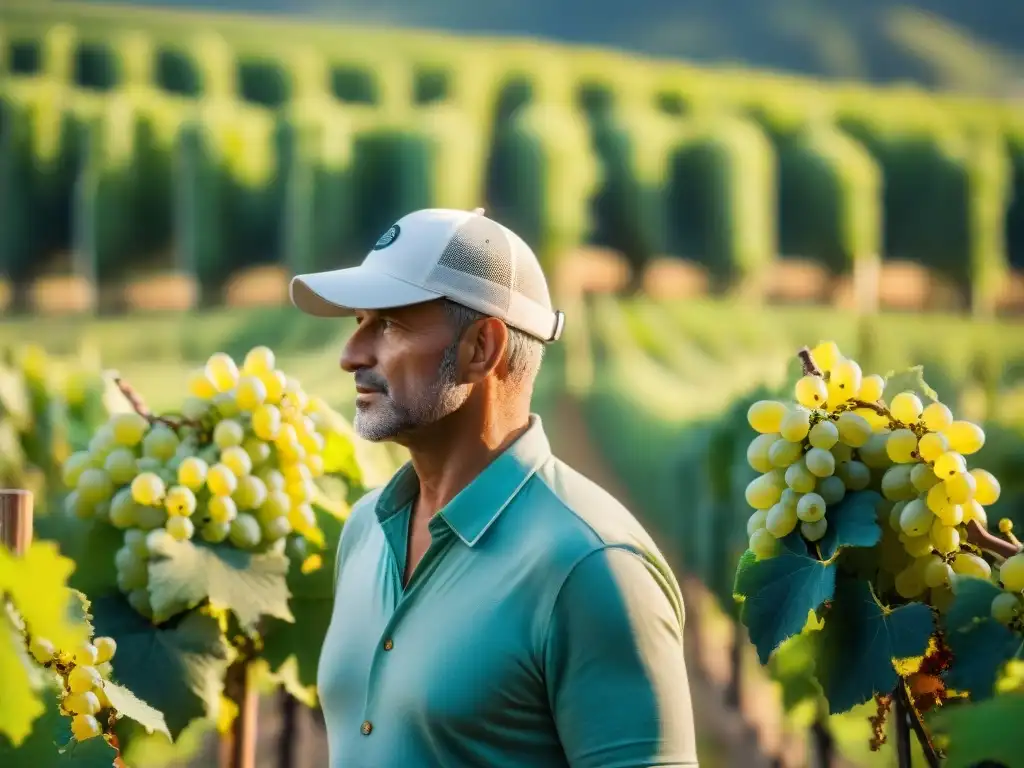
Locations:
{"points": [[525, 353]]}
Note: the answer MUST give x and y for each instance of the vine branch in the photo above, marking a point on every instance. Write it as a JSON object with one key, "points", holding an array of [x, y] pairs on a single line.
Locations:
{"points": [[905, 708], [810, 367], [989, 542], [139, 406]]}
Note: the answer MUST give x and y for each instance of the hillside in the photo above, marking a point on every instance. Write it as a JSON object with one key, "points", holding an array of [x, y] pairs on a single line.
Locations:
{"points": [[948, 44]]}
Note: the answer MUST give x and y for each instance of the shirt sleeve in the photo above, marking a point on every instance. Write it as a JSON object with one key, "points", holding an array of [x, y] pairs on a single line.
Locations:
{"points": [[614, 666]]}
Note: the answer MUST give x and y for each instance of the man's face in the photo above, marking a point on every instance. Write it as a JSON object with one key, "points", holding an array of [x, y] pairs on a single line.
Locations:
{"points": [[405, 367]]}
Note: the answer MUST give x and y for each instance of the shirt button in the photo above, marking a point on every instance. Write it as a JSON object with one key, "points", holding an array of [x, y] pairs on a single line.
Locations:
{"points": [[367, 727], [388, 645]]}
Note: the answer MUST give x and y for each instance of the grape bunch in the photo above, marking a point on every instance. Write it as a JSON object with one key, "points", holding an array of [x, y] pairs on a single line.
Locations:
{"points": [[237, 466], [1008, 605], [82, 674], [839, 436]]}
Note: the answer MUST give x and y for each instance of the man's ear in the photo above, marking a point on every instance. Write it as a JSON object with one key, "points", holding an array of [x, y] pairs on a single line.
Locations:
{"points": [[484, 344]]}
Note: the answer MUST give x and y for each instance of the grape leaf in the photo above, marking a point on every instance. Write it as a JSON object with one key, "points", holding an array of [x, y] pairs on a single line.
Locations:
{"points": [[181, 574], [972, 601], [19, 705], [977, 732], [129, 705], [979, 652], [178, 667], [293, 649], [793, 665], [778, 593], [852, 522], [910, 380], [862, 639], [93, 550]]}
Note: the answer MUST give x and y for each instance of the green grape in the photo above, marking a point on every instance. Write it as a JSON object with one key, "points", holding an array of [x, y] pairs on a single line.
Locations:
{"points": [[266, 422], [906, 407], [149, 464], [245, 531], [222, 509], [896, 483], [932, 445], [799, 478], [215, 532], [181, 528], [945, 538], [298, 549], [226, 404], [236, 459], [180, 502], [765, 416], [101, 512], [842, 452], [1005, 607], [936, 417], [820, 463], [795, 425], [250, 393], [161, 443], [971, 565], [102, 441], [276, 529], [894, 516], [77, 506], [916, 518], [94, 486], [192, 473], [762, 492], [948, 464], [275, 481], [1011, 573], [918, 546], [763, 544], [128, 428], [873, 453], [986, 487], [909, 583], [120, 466], [228, 433], [148, 518], [922, 478], [960, 487], [937, 572], [258, 361], [790, 498], [781, 454], [755, 521], [75, 465], [85, 727], [222, 371], [831, 489], [824, 435], [871, 388], [148, 489], [781, 520], [194, 408], [973, 511], [123, 509], [854, 429], [964, 437], [951, 514], [855, 475], [221, 480], [259, 451], [251, 493], [814, 531], [810, 508], [135, 542]]}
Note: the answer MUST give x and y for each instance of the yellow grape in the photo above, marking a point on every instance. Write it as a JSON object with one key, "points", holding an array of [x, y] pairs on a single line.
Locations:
{"points": [[781, 454], [960, 487], [781, 520], [854, 430], [266, 422], [1005, 607], [846, 379], [986, 487], [763, 544], [42, 650], [916, 519], [275, 383], [826, 355], [106, 647], [192, 473], [909, 583], [901, 446], [799, 478], [950, 463], [906, 407], [87, 654], [86, 703], [303, 518], [179, 501], [84, 727], [969, 564], [973, 511], [148, 489], [937, 572], [251, 492], [810, 508], [315, 462], [305, 491], [226, 404], [871, 388], [877, 421], [236, 459], [181, 528], [258, 450], [221, 480], [945, 538], [200, 385], [1011, 573], [824, 434], [222, 509], [259, 360], [936, 499], [951, 514], [812, 392], [228, 433], [820, 462], [932, 445], [936, 417], [922, 478], [964, 437], [917, 546], [250, 393], [129, 428], [755, 521], [222, 371], [814, 531], [83, 678], [765, 416]]}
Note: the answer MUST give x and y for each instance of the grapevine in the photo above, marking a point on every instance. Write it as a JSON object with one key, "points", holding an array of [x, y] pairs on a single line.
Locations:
{"points": [[867, 514]]}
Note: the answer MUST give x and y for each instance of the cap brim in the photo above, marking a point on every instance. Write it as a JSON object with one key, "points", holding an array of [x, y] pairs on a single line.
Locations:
{"points": [[342, 292]]}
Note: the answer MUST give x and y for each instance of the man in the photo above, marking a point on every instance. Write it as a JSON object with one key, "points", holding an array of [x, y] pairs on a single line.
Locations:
{"points": [[492, 606]]}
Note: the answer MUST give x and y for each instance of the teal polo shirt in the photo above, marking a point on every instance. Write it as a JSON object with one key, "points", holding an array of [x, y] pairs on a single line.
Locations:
{"points": [[542, 628]]}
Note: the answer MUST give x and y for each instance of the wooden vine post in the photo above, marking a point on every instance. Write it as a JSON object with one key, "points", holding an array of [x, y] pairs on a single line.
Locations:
{"points": [[16, 520]]}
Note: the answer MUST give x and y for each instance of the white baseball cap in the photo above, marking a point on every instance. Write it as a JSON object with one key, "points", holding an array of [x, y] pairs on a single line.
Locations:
{"points": [[440, 253]]}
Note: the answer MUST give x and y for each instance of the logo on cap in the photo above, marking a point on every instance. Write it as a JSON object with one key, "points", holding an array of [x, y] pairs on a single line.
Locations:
{"points": [[388, 237]]}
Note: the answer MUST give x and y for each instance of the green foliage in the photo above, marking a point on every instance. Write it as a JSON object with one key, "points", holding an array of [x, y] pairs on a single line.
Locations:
{"points": [[987, 731]]}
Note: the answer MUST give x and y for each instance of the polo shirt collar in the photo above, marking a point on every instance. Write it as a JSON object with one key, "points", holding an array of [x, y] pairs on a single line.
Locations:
{"points": [[480, 503]]}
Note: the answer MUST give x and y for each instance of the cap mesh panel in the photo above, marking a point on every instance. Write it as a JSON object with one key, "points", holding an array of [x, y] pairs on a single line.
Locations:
{"points": [[481, 249]]}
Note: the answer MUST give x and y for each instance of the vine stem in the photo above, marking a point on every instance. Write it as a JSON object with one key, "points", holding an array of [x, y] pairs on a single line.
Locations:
{"points": [[139, 406], [810, 367], [989, 542], [906, 714]]}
